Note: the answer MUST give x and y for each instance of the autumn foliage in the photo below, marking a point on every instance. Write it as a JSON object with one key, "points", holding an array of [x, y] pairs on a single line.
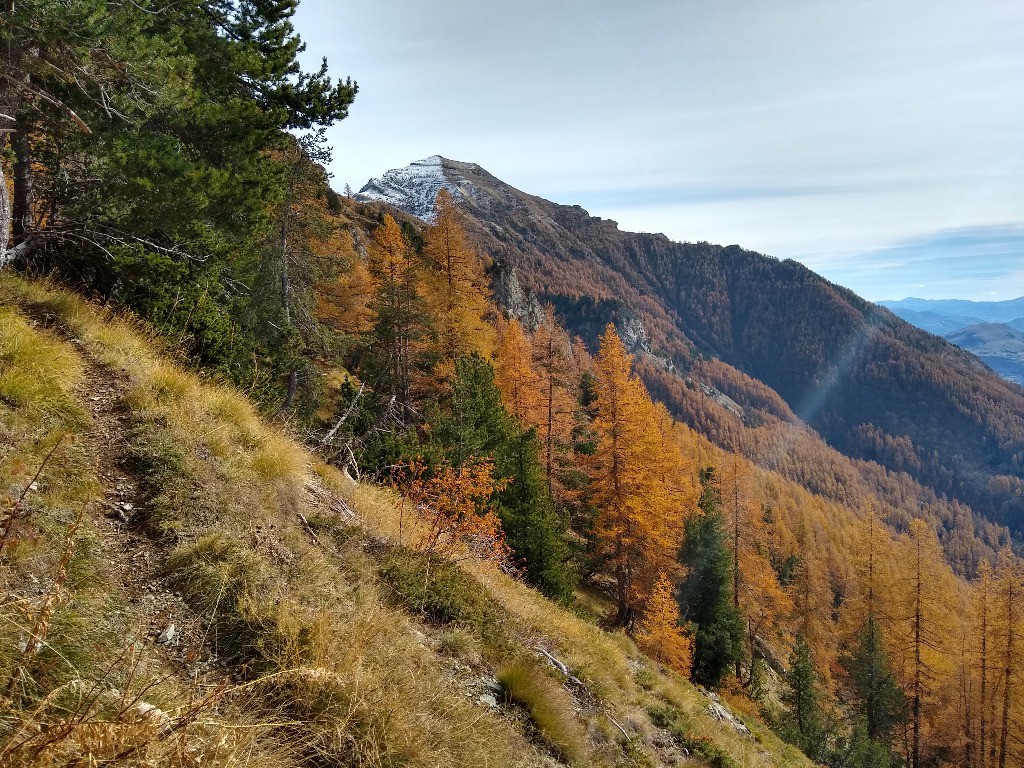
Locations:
{"points": [[636, 487], [456, 506]]}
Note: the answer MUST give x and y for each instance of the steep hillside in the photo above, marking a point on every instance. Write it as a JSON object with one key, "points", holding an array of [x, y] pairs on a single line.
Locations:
{"points": [[871, 385], [183, 586]]}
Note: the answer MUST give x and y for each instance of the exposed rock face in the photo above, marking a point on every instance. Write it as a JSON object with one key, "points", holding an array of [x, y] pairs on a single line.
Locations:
{"points": [[632, 332], [511, 296]]}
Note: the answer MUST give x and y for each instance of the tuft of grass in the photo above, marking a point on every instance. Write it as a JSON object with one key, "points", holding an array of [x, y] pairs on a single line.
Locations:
{"points": [[226, 582], [37, 373], [551, 709], [460, 643]]}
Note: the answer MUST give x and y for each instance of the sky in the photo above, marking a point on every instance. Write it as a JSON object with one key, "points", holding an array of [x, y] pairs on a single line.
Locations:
{"points": [[880, 143]]}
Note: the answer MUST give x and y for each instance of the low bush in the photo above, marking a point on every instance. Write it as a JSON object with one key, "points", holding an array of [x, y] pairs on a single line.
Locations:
{"points": [[442, 593]]}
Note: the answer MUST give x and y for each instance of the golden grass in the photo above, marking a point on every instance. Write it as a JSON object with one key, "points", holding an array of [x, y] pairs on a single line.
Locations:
{"points": [[338, 674], [551, 709]]}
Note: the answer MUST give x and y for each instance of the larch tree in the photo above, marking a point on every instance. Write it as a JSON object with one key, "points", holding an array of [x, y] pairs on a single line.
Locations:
{"points": [[757, 594], [400, 317], [457, 287], [555, 364], [515, 376], [1009, 655], [983, 663], [927, 629], [639, 520], [660, 632]]}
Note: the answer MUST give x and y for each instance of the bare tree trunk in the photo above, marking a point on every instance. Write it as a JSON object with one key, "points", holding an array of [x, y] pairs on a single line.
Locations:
{"points": [[983, 753], [918, 684], [1007, 667], [5, 208], [21, 215]]}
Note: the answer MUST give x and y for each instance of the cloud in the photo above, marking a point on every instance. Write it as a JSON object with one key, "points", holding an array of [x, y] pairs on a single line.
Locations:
{"points": [[972, 263], [804, 130]]}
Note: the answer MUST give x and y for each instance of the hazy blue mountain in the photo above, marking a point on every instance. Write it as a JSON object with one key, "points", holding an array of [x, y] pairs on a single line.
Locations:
{"points": [[998, 345], [935, 322], [984, 311]]}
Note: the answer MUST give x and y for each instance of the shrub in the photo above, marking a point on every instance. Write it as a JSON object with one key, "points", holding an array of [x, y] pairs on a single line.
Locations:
{"points": [[443, 593]]}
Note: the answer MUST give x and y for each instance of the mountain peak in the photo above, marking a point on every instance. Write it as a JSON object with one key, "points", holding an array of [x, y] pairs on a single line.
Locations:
{"points": [[414, 188]]}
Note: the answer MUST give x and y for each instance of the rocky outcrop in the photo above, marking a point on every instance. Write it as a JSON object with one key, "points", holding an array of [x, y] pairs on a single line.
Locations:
{"points": [[512, 297]]}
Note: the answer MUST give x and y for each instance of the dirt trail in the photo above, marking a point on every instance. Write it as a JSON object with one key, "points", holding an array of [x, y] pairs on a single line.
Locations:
{"points": [[155, 613]]}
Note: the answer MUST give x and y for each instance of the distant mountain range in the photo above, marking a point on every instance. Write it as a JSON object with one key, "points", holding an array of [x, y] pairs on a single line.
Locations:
{"points": [[992, 330], [748, 349]]}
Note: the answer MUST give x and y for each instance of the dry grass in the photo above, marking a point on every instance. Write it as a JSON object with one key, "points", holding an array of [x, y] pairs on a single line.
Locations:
{"points": [[345, 644], [551, 709]]}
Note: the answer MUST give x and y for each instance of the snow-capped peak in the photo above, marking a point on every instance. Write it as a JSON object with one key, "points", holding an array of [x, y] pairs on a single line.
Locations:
{"points": [[413, 188]]}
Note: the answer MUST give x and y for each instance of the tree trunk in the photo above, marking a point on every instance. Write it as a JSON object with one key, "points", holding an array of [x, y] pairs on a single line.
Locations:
{"points": [[916, 761], [983, 754], [21, 214], [5, 207], [293, 385], [1008, 668]]}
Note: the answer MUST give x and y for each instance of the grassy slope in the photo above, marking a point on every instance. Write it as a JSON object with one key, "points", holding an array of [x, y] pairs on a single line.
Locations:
{"points": [[305, 630]]}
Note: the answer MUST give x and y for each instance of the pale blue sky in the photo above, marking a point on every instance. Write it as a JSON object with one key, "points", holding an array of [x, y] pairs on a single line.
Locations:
{"points": [[880, 143]]}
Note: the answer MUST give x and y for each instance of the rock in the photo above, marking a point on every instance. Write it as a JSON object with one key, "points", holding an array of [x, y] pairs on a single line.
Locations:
{"points": [[519, 302], [168, 636], [488, 699], [718, 711]]}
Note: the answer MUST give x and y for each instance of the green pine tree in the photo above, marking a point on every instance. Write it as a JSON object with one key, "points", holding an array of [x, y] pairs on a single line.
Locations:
{"points": [[880, 704], [475, 425], [705, 596], [803, 722]]}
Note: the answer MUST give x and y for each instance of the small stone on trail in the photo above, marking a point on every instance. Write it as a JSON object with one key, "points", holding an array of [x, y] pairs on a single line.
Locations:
{"points": [[488, 699], [168, 635]]}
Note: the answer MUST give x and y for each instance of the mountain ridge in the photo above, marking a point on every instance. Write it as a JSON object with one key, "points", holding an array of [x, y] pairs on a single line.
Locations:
{"points": [[854, 371]]}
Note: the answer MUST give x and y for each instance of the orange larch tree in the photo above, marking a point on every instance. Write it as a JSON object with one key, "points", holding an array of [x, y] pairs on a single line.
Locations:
{"points": [[514, 374], [457, 287], [554, 362], [639, 520], [660, 633], [399, 316]]}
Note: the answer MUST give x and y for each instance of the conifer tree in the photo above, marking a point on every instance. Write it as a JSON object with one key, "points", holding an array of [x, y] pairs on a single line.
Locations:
{"points": [[639, 505], [457, 287], [705, 597], [554, 363], [660, 633], [515, 376], [879, 700], [475, 425], [400, 323], [803, 722], [1009, 590], [928, 628]]}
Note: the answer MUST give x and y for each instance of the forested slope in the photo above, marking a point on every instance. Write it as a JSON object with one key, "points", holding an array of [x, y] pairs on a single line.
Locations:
{"points": [[872, 385]]}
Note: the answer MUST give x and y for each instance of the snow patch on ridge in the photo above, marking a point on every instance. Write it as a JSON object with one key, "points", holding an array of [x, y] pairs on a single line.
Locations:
{"points": [[414, 188]]}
